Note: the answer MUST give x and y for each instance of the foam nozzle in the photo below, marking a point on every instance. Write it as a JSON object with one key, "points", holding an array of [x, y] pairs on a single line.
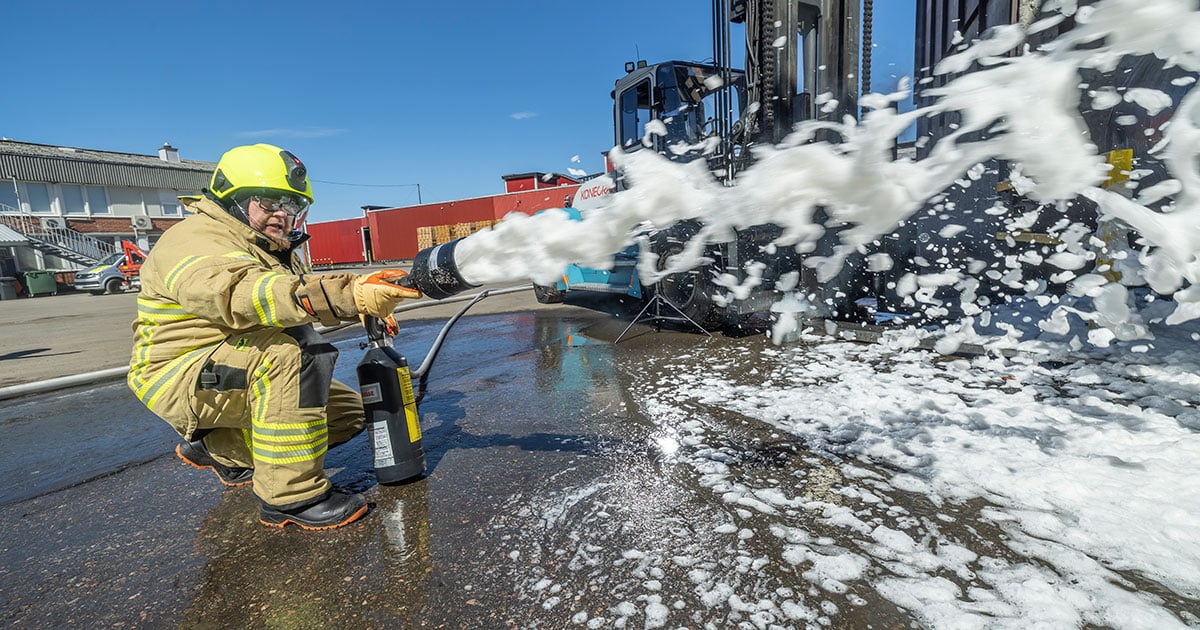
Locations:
{"points": [[435, 272]]}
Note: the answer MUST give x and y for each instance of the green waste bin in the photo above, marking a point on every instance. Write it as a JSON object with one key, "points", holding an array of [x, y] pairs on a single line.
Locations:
{"points": [[40, 281]]}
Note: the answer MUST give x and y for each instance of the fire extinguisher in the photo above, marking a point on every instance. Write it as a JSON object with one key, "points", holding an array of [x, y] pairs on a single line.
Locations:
{"points": [[391, 406], [386, 384]]}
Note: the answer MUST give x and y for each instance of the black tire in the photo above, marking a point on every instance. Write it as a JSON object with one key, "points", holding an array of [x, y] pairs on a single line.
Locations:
{"points": [[690, 290], [547, 295], [114, 286]]}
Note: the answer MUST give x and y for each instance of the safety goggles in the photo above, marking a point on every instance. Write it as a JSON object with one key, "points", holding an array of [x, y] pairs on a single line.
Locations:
{"points": [[288, 205]]}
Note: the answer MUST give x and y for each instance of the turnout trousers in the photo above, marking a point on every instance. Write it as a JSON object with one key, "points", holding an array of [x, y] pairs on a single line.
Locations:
{"points": [[267, 400]]}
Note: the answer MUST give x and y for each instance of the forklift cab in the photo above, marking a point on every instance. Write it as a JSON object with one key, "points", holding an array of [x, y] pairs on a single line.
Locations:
{"points": [[684, 97]]}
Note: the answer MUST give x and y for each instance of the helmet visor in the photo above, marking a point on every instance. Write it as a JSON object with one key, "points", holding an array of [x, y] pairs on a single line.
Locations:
{"points": [[293, 206]]}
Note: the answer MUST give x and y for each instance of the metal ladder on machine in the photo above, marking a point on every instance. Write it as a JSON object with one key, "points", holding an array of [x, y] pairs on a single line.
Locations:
{"points": [[658, 317]]}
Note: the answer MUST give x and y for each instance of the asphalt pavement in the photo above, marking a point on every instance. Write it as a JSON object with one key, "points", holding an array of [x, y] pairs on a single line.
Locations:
{"points": [[104, 526], [551, 497], [563, 489]]}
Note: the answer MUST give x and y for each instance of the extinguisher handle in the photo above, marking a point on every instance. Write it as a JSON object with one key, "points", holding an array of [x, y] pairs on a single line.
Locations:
{"points": [[379, 329]]}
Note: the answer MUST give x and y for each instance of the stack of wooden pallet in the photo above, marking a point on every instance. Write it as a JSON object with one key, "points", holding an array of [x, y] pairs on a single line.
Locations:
{"points": [[437, 234], [459, 230], [441, 234], [424, 237]]}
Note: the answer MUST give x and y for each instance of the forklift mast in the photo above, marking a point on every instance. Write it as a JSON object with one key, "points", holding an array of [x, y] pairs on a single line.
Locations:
{"points": [[801, 62]]}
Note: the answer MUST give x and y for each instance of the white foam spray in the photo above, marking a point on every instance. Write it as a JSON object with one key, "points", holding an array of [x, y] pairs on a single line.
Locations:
{"points": [[1028, 104]]}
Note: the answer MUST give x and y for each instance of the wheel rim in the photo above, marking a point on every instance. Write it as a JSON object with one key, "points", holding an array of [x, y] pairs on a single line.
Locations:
{"points": [[680, 287]]}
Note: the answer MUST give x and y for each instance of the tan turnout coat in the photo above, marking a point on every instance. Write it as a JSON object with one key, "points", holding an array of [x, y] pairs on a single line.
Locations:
{"points": [[224, 348]]}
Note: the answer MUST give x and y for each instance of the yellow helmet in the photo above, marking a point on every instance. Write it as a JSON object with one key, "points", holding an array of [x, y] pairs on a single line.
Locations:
{"points": [[262, 170]]}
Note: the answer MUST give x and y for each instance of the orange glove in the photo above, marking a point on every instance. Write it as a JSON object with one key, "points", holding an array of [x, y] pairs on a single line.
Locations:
{"points": [[377, 294]]}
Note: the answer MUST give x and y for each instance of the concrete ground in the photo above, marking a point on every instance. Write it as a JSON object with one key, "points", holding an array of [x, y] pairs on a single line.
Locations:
{"points": [[62, 335]]}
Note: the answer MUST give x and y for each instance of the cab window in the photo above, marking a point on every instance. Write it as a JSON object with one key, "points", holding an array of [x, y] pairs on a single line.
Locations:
{"points": [[635, 113]]}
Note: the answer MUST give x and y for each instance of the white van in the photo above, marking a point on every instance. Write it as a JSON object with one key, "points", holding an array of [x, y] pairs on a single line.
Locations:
{"points": [[105, 277]]}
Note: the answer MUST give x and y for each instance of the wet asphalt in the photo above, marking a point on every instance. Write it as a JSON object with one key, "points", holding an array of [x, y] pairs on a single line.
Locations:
{"points": [[553, 498], [104, 526]]}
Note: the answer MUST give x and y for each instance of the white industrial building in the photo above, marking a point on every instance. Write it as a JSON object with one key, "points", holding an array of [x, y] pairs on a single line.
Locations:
{"points": [[63, 208]]}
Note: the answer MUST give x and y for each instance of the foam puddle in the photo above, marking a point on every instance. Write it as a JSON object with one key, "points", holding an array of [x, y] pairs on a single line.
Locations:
{"points": [[834, 483], [1086, 470]]}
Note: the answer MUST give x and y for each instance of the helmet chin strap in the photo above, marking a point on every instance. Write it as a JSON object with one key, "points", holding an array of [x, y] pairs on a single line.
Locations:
{"points": [[241, 214]]}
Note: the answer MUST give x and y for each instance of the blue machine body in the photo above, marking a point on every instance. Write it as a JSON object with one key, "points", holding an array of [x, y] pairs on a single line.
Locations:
{"points": [[621, 279]]}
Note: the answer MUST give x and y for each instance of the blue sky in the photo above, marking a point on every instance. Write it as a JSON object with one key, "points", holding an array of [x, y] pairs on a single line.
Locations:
{"points": [[384, 95]]}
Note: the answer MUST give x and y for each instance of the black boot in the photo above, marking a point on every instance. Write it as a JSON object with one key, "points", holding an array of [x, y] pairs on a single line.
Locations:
{"points": [[196, 454], [332, 509]]}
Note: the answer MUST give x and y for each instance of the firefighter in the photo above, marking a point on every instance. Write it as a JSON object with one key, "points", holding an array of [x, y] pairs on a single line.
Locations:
{"points": [[224, 346]]}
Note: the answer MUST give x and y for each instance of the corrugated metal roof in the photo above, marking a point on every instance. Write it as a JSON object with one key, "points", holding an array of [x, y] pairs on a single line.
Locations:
{"points": [[10, 237], [44, 163]]}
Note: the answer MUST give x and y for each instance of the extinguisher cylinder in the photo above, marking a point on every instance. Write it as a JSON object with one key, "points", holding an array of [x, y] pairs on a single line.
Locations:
{"points": [[391, 415]]}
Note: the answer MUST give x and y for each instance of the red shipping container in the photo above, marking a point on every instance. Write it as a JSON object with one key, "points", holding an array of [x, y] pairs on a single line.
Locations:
{"points": [[336, 242], [391, 233], [394, 231], [535, 181], [529, 202]]}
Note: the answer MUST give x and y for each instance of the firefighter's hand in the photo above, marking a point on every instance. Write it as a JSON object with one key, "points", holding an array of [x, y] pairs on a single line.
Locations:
{"points": [[378, 294]]}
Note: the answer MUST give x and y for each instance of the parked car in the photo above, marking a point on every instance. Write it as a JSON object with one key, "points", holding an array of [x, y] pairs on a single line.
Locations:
{"points": [[106, 277]]}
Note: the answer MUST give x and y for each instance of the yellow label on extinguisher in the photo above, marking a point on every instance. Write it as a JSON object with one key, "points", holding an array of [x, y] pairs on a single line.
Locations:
{"points": [[410, 404], [414, 423]]}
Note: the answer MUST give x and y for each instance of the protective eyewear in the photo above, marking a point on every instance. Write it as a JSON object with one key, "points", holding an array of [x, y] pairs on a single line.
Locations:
{"points": [[288, 206]]}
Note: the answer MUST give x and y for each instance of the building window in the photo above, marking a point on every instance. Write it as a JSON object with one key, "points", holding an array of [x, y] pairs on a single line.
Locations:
{"points": [[96, 200], [38, 197], [169, 200], [8, 197], [72, 197]]}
